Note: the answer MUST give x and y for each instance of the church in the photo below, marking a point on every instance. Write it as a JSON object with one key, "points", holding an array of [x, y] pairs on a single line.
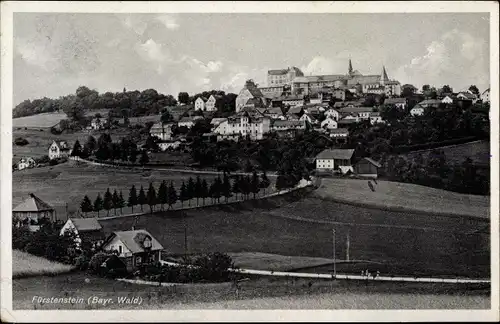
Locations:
{"points": [[353, 81]]}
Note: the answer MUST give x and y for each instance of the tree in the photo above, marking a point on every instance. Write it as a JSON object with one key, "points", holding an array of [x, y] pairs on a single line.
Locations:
{"points": [[236, 186], [254, 184], [115, 200], [121, 202], [281, 182], [264, 182], [446, 89], [226, 187], [86, 205], [183, 98], [152, 143], [98, 204], [198, 189], [142, 200], [183, 195], [91, 144], [248, 166], [133, 156], [245, 186], [144, 159], [426, 87], [77, 149], [171, 195], [474, 89], [108, 201], [204, 190], [151, 197], [190, 190], [217, 193], [166, 117], [132, 198], [162, 194]]}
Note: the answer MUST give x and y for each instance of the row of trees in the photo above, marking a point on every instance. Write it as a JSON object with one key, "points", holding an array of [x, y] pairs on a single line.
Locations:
{"points": [[167, 194]]}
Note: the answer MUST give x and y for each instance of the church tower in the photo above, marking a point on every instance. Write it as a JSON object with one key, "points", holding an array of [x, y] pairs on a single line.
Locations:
{"points": [[350, 67], [383, 76]]}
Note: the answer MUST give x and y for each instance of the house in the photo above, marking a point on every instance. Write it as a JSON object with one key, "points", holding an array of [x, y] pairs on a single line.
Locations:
{"points": [[292, 101], [449, 99], [135, 248], [88, 229], [162, 130], [485, 96], [420, 108], [332, 113], [32, 211], [314, 110], [249, 91], [397, 102], [375, 118], [309, 118], [26, 163], [96, 123], [360, 112], [467, 96], [340, 134], [285, 125], [367, 167], [274, 113], [165, 145], [188, 121], [59, 149], [248, 121], [333, 159], [329, 123], [216, 121], [347, 122], [199, 104], [210, 103]]}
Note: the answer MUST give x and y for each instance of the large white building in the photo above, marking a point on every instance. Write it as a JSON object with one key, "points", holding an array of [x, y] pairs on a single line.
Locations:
{"points": [[247, 122]]}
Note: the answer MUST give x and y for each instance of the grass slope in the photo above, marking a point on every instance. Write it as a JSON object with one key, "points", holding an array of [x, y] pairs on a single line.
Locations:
{"points": [[404, 195], [257, 293], [25, 265], [478, 151], [302, 226], [44, 120]]}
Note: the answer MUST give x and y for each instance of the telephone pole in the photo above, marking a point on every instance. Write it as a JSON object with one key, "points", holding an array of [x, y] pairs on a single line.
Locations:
{"points": [[348, 244], [334, 261]]}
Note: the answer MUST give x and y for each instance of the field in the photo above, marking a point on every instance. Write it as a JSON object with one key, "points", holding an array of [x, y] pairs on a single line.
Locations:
{"points": [[40, 140], [292, 225], [25, 264], [478, 151], [275, 262], [45, 120], [70, 182], [263, 293], [403, 195]]}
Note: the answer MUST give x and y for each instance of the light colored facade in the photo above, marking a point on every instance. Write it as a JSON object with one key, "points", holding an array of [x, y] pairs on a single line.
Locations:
{"points": [[332, 113], [162, 131], [420, 108], [397, 102], [331, 159], [248, 122], [282, 77], [26, 163], [417, 111], [485, 96], [286, 125], [447, 100], [87, 228], [59, 150], [96, 123], [199, 104], [249, 91], [293, 102], [339, 133], [172, 145], [375, 118], [210, 104], [308, 118], [329, 123], [188, 121]]}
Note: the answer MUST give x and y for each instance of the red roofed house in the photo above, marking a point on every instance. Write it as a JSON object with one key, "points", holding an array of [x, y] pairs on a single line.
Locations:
{"points": [[32, 211], [135, 248], [367, 167]]}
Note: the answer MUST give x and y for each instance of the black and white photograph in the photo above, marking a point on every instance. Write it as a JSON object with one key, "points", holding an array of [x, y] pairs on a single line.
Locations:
{"points": [[217, 158]]}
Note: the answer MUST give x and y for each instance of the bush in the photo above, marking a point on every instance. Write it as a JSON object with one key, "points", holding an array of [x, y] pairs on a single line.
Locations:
{"points": [[43, 159], [20, 141]]}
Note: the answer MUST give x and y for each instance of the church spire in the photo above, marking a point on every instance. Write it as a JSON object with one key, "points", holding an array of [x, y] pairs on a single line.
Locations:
{"points": [[350, 67], [384, 74]]}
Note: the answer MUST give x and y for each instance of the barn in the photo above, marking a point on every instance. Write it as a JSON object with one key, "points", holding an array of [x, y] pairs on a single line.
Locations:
{"points": [[367, 167]]}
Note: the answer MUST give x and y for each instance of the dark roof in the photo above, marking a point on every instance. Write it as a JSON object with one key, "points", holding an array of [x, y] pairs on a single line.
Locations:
{"points": [[86, 224], [33, 204], [289, 123], [295, 110], [375, 163], [338, 154], [390, 101], [277, 72], [356, 109], [347, 121], [339, 131]]}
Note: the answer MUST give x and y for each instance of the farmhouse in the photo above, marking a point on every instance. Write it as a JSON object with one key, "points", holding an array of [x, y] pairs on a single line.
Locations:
{"points": [[333, 159], [85, 229], [397, 102], [329, 123], [367, 167], [162, 131], [210, 103], [26, 163], [135, 248], [96, 123], [32, 211], [59, 149], [199, 104]]}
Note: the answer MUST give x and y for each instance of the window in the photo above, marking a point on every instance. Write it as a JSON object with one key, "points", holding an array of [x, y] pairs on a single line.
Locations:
{"points": [[138, 260], [120, 249]]}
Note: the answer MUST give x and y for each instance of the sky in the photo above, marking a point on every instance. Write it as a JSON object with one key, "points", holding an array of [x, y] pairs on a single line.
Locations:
{"points": [[55, 53]]}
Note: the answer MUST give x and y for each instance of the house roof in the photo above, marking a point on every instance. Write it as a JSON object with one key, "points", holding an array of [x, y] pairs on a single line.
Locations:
{"points": [[339, 131], [429, 102], [364, 79], [277, 72], [468, 95], [325, 78], [190, 119], [390, 101], [161, 125], [133, 240], [338, 154], [288, 123], [374, 114], [86, 224], [295, 110], [33, 204], [347, 121], [62, 145], [356, 109], [274, 111], [217, 120], [375, 163]]}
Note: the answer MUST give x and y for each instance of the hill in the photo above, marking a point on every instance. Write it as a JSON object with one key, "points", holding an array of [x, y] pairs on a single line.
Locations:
{"points": [[44, 120]]}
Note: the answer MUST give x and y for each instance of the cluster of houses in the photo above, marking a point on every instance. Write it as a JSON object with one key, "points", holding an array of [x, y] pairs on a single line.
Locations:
{"points": [[464, 98], [134, 248], [58, 149]]}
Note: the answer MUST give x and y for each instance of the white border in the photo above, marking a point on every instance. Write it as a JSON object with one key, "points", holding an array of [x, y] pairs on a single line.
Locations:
{"points": [[7, 10]]}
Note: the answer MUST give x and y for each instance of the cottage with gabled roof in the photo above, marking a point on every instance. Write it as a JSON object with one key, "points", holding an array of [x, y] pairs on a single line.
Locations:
{"points": [[332, 113], [199, 104], [32, 211], [135, 248], [210, 103], [367, 167], [26, 163], [84, 229], [333, 159], [329, 123], [309, 118], [59, 149]]}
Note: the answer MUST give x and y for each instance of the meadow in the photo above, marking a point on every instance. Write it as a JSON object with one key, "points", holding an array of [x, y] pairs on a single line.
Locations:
{"points": [[301, 225], [45, 120], [27, 265], [258, 293]]}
